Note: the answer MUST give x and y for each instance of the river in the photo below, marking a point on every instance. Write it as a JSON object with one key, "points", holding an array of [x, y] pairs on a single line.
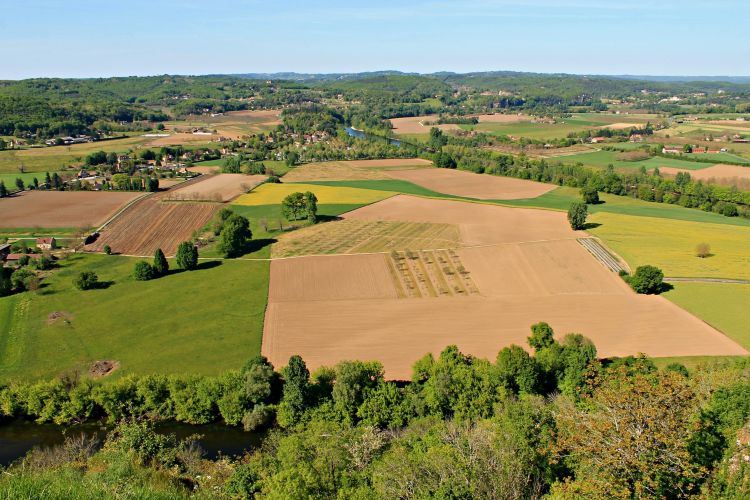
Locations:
{"points": [[360, 134], [19, 436]]}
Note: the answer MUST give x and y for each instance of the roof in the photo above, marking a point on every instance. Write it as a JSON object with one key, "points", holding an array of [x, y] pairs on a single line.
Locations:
{"points": [[15, 256], [45, 240]]}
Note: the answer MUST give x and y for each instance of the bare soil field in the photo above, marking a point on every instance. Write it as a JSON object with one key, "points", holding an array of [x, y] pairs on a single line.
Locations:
{"points": [[351, 170], [61, 208], [501, 118], [413, 125], [204, 169], [479, 224], [471, 185], [727, 175], [219, 187], [363, 236], [622, 125], [516, 267], [150, 224]]}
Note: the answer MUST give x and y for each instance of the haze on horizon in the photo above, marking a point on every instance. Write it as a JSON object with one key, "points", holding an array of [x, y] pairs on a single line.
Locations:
{"points": [[86, 38]]}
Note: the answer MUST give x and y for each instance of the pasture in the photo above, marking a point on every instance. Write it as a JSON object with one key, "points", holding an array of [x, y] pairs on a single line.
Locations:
{"points": [[513, 267], [63, 209], [600, 159], [272, 194], [174, 324]]}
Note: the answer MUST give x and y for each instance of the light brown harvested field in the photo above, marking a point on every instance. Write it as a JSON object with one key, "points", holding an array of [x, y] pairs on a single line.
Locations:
{"points": [[622, 125], [399, 332], [169, 183], [479, 224], [351, 170], [204, 169], [61, 208], [391, 162], [149, 224], [413, 125], [471, 185], [728, 175], [180, 138], [527, 268], [501, 118], [321, 278], [219, 187]]}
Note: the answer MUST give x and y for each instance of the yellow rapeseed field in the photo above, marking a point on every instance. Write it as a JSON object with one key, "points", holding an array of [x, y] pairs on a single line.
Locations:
{"points": [[271, 194], [670, 245]]}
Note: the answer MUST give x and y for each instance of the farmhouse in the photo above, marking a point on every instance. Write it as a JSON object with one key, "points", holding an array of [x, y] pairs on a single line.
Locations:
{"points": [[671, 150], [596, 140], [46, 243], [11, 260]]}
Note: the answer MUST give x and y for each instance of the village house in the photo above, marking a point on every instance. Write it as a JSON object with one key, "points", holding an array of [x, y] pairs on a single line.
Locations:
{"points": [[596, 140], [46, 243], [671, 150], [11, 260]]}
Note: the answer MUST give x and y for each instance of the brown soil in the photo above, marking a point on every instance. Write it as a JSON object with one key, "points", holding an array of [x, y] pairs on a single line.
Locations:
{"points": [[623, 125], [471, 185], [219, 187], [351, 170], [391, 162], [150, 224], [59, 316], [204, 169], [103, 368], [521, 266], [414, 125], [61, 208]]}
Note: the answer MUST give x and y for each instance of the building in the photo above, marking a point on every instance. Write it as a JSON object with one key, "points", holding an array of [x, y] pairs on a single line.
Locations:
{"points": [[46, 243], [4, 251], [671, 150], [12, 258], [596, 140]]}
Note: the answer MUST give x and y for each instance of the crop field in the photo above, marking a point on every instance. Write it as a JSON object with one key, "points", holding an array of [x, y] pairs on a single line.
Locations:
{"points": [[540, 130], [219, 187], [722, 305], [359, 236], [234, 124], [727, 175], [272, 194], [150, 224], [64, 209], [471, 185], [175, 324], [417, 125], [670, 245], [514, 267]]}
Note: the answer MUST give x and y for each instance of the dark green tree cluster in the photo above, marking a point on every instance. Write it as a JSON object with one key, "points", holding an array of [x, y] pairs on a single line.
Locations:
{"points": [[187, 256], [143, 271], [235, 235], [296, 206]]}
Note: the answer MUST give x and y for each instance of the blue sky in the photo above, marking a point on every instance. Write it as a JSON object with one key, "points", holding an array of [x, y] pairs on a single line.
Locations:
{"points": [[86, 38]]}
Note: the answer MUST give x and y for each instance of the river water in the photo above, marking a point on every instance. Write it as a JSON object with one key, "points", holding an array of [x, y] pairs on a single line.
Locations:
{"points": [[359, 134], [18, 437]]}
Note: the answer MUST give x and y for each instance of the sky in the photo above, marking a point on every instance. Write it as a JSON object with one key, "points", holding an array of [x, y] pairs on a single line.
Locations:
{"points": [[87, 38]]}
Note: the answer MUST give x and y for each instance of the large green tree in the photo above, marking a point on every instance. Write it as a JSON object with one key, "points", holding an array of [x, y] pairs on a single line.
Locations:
{"points": [[234, 236]]}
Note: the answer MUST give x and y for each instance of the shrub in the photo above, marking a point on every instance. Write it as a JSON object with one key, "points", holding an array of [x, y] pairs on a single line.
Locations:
{"points": [[590, 194], [161, 266], [577, 214], [107, 250], [703, 250], [234, 236], [86, 280], [143, 271], [647, 280]]}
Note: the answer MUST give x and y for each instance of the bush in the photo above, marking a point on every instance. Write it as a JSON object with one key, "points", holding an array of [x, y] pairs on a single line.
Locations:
{"points": [[703, 250], [234, 236], [590, 195], [647, 280], [577, 214], [86, 280], [161, 266], [107, 250], [143, 271]]}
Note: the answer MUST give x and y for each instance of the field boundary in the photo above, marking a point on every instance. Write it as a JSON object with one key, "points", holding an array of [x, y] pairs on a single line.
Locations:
{"points": [[601, 254]]}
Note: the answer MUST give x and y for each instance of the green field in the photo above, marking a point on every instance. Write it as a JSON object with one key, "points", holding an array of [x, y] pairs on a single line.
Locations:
{"points": [[203, 321], [393, 185], [724, 306], [26, 177], [600, 159], [541, 131]]}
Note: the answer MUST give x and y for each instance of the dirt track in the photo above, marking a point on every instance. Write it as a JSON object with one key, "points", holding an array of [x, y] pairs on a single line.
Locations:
{"points": [[471, 185], [50, 209]]}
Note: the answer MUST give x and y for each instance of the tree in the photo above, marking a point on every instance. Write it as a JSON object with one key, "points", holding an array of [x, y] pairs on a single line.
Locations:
{"points": [[161, 266], [234, 236], [19, 184], [187, 256], [647, 280], [517, 369], [311, 206], [577, 214], [293, 206], [107, 249], [3, 190], [444, 160], [292, 157], [542, 336], [703, 250], [143, 271], [437, 140], [590, 194], [86, 280], [296, 392]]}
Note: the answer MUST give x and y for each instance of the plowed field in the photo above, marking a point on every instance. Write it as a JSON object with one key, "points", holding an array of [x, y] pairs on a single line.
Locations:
{"points": [[219, 187]]}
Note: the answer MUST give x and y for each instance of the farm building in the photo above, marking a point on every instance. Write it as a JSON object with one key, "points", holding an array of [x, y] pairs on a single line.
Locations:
{"points": [[46, 243], [671, 150]]}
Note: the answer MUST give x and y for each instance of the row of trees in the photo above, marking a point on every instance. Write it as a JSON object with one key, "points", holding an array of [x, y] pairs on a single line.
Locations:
{"points": [[557, 421]]}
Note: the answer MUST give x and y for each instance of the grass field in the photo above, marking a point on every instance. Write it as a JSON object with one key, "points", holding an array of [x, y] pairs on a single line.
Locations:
{"points": [[670, 245], [601, 159], [391, 185], [268, 194], [562, 197], [26, 177], [722, 305], [203, 321], [537, 130]]}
